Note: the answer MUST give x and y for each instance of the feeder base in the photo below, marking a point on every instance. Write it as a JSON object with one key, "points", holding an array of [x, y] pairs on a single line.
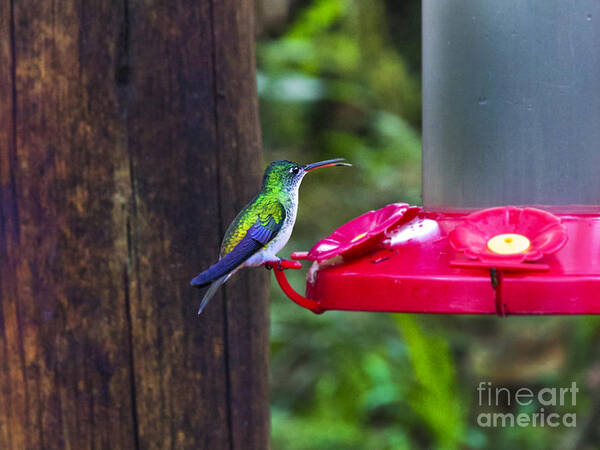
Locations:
{"points": [[421, 273]]}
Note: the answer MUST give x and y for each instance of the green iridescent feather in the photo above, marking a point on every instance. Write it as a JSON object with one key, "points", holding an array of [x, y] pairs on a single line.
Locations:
{"points": [[261, 209]]}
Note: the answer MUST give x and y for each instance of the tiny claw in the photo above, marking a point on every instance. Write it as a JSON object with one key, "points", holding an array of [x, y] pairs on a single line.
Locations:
{"points": [[282, 264]]}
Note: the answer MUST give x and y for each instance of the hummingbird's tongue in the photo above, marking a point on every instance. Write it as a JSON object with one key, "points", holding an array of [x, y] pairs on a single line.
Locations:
{"points": [[327, 163]]}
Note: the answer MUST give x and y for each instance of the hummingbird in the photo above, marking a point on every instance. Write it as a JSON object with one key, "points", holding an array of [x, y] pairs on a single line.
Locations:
{"points": [[263, 227]]}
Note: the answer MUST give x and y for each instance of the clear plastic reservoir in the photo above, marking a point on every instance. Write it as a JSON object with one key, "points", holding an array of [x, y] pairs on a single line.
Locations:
{"points": [[511, 103]]}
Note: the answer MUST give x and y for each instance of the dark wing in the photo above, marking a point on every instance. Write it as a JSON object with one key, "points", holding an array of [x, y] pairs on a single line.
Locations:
{"points": [[257, 236]]}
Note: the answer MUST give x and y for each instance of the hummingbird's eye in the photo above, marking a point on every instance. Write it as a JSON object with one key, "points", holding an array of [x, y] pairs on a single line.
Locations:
{"points": [[295, 170]]}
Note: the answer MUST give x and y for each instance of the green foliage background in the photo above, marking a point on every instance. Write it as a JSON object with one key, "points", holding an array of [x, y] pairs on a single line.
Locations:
{"points": [[341, 78]]}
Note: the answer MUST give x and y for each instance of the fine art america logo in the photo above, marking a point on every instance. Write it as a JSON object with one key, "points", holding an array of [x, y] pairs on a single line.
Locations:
{"points": [[543, 403]]}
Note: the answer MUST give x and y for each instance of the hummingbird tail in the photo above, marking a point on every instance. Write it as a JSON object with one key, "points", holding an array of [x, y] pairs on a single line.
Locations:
{"points": [[211, 291], [217, 274], [257, 236], [228, 263], [205, 278]]}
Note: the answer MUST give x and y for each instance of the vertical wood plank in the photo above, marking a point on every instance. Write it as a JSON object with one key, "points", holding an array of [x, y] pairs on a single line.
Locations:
{"points": [[12, 393], [181, 369], [129, 139], [245, 295], [64, 255]]}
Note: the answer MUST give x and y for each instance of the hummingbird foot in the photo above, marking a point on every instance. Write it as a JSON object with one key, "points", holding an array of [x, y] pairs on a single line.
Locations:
{"points": [[283, 264], [270, 264]]}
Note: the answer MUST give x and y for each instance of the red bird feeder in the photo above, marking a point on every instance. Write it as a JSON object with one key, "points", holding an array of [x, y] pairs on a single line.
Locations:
{"points": [[498, 129]]}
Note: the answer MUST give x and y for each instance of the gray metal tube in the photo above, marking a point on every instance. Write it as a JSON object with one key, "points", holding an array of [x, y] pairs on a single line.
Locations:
{"points": [[511, 103]]}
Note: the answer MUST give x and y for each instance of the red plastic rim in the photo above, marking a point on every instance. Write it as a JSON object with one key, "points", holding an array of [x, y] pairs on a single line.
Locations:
{"points": [[363, 233], [546, 233], [279, 271], [420, 272]]}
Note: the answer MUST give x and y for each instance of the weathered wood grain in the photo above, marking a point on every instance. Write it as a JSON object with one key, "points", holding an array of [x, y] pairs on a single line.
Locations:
{"points": [[238, 124], [129, 139]]}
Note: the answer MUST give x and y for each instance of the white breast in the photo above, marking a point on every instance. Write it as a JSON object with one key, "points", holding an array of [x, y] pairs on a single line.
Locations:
{"points": [[269, 253]]}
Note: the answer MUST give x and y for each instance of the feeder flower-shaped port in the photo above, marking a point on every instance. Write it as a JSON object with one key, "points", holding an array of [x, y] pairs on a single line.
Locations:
{"points": [[509, 234], [363, 233]]}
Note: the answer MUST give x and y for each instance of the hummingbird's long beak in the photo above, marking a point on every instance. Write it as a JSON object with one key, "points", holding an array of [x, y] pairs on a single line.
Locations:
{"points": [[328, 163]]}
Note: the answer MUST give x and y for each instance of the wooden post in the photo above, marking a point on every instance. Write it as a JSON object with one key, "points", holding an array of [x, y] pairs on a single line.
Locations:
{"points": [[129, 139]]}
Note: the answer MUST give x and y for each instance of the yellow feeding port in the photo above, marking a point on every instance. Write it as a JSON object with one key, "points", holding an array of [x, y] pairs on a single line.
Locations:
{"points": [[508, 244]]}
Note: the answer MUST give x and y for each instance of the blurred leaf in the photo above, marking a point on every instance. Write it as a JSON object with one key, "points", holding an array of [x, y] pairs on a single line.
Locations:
{"points": [[291, 88], [436, 396], [318, 17]]}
